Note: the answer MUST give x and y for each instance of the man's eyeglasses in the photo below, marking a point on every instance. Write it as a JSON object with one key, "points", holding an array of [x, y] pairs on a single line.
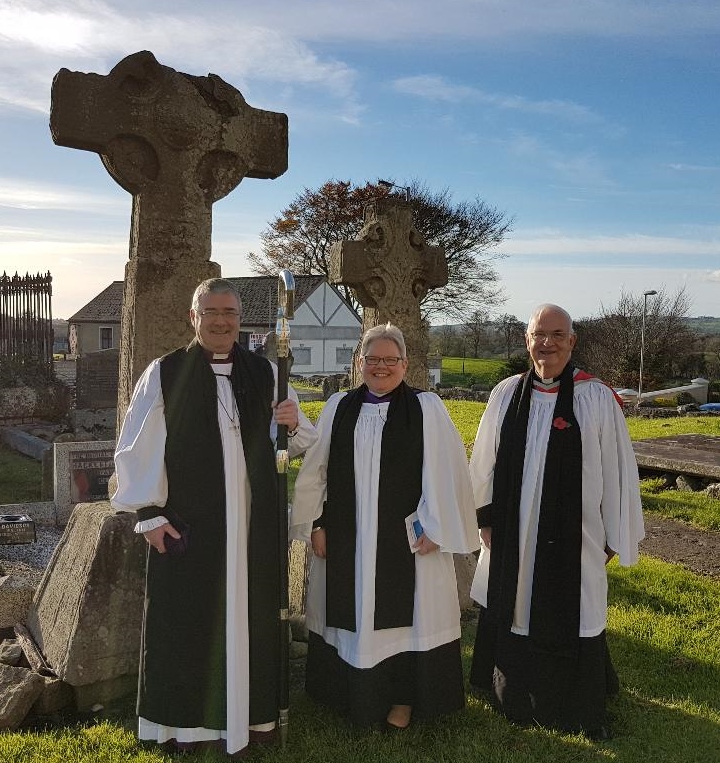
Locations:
{"points": [[211, 313], [542, 336], [374, 360]]}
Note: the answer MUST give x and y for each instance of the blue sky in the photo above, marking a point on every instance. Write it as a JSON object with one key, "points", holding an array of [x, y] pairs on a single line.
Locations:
{"points": [[593, 123]]}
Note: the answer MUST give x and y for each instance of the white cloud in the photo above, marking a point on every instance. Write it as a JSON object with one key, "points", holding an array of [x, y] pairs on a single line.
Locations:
{"points": [[694, 167], [20, 194], [713, 276], [93, 36], [555, 243], [436, 88]]}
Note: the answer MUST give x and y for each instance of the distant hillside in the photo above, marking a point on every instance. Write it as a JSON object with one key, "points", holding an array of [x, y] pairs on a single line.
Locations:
{"points": [[705, 324]]}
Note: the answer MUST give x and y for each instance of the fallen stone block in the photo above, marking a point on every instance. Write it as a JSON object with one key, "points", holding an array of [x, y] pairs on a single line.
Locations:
{"points": [[11, 652], [19, 689]]}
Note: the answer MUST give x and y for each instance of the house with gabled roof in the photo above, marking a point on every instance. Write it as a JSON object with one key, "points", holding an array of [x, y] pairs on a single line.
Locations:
{"points": [[96, 326], [323, 333]]}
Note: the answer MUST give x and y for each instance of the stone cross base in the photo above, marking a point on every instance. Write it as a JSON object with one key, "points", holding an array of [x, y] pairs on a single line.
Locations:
{"points": [[86, 616]]}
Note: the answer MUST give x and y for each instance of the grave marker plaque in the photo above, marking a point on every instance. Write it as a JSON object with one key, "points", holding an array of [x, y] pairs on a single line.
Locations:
{"points": [[16, 529]]}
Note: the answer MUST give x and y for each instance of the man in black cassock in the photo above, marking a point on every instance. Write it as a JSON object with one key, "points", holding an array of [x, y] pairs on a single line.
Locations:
{"points": [[195, 460]]}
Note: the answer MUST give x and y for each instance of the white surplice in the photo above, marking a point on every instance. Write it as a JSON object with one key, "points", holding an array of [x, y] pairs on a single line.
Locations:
{"points": [[446, 512], [142, 481], [611, 508]]}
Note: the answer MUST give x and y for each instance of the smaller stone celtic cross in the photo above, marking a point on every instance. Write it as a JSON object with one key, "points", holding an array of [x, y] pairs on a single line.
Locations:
{"points": [[391, 268]]}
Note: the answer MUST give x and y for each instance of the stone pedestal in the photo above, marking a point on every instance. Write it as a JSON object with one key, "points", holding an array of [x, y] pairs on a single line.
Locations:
{"points": [[86, 617]]}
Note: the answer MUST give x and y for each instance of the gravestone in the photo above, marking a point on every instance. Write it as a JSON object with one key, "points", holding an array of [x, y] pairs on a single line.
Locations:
{"points": [[82, 471], [390, 267], [177, 143]]}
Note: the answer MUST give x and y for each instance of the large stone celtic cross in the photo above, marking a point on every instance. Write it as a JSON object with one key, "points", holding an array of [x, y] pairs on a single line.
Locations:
{"points": [[177, 143]]}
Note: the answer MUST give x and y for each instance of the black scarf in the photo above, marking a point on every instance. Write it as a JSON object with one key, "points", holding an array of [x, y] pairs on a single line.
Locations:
{"points": [[555, 605], [400, 489]]}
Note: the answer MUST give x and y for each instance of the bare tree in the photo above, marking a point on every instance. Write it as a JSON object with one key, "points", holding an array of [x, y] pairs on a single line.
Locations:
{"points": [[475, 332], [301, 236], [609, 345], [511, 331]]}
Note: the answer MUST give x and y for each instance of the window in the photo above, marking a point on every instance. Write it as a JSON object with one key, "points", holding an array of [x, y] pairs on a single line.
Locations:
{"points": [[343, 356], [106, 337], [301, 356]]}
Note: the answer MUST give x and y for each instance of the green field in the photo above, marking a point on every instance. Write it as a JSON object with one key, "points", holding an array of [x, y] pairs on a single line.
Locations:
{"points": [[464, 372]]}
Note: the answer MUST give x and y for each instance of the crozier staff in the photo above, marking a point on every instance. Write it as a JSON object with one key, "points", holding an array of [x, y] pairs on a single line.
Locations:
{"points": [[555, 478], [195, 460], [382, 602]]}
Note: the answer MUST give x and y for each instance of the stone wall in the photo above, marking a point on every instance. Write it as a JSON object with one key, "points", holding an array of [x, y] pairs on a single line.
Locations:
{"points": [[96, 384]]}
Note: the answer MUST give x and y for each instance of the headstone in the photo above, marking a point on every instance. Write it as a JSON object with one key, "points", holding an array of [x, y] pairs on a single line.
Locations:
{"points": [[82, 471], [177, 143], [86, 616], [391, 268], [330, 385]]}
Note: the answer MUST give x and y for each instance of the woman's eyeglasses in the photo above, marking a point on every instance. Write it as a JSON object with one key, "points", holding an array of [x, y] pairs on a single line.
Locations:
{"points": [[374, 360]]}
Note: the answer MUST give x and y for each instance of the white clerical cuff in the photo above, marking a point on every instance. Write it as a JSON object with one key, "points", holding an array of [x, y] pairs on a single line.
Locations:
{"points": [[150, 524]]}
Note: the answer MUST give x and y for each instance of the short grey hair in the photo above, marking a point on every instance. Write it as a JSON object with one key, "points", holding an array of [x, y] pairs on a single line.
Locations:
{"points": [[388, 331], [549, 306], [214, 286]]}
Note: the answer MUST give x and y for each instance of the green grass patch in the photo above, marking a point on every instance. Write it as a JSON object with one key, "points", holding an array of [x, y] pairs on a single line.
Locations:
{"points": [[464, 372], [642, 428], [697, 509], [20, 477]]}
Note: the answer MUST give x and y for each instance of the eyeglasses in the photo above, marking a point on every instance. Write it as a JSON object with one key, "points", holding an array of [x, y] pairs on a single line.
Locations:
{"points": [[542, 336], [229, 314], [374, 360]]}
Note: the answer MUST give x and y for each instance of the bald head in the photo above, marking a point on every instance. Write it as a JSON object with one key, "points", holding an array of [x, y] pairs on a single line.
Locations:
{"points": [[550, 339]]}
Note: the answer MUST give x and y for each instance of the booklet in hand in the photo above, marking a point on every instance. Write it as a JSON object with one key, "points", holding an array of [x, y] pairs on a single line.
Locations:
{"points": [[414, 530]]}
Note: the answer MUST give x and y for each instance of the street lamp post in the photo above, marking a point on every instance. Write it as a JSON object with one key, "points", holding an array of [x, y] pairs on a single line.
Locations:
{"points": [[388, 184], [646, 294]]}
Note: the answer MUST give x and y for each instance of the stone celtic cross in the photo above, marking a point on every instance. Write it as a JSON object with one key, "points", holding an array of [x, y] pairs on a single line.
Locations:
{"points": [[391, 268], [177, 143]]}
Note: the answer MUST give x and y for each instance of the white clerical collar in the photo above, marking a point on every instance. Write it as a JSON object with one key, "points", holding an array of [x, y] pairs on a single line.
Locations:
{"points": [[220, 356]]}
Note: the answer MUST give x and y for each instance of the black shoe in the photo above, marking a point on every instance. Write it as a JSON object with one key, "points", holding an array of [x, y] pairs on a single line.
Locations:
{"points": [[600, 734], [391, 728]]}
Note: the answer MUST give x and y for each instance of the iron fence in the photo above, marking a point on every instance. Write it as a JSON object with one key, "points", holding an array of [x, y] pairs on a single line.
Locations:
{"points": [[26, 334]]}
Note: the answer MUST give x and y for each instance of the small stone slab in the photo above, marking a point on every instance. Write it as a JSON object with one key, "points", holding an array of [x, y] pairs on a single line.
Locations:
{"points": [[697, 455], [11, 652], [19, 689]]}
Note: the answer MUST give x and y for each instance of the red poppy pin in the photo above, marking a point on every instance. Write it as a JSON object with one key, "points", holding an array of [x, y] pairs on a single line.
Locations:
{"points": [[560, 423]]}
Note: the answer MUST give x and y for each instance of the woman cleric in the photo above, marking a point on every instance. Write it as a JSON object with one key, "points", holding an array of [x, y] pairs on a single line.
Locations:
{"points": [[385, 499]]}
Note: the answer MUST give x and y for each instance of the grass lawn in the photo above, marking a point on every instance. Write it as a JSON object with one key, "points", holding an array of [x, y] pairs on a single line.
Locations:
{"points": [[663, 632], [464, 372], [20, 477], [664, 635]]}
